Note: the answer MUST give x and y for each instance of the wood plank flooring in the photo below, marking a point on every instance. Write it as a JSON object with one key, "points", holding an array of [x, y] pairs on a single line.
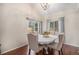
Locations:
{"points": [[70, 50], [19, 51], [67, 50]]}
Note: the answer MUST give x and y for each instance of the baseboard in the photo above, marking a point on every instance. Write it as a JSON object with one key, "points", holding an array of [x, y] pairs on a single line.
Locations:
{"points": [[13, 48], [71, 45]]}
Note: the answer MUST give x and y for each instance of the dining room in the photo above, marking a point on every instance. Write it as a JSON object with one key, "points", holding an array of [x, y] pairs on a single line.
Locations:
{"points": [[39, 28]]}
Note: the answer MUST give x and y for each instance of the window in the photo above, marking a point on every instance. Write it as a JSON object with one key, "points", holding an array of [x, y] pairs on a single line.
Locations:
{"points": [[53, 25], [36, 26], [56, 26]]}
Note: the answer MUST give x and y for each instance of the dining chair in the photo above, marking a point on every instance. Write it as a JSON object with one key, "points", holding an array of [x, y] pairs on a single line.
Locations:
{"points": [[33, 43], [57, 47]]}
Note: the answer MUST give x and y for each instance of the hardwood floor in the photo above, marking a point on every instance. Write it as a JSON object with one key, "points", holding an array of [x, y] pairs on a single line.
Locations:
{"points": [[70, 50], [67, 50], [19, 51]]}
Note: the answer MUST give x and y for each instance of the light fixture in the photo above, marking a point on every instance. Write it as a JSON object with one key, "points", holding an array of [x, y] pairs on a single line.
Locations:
{"points": [[44, 6]]}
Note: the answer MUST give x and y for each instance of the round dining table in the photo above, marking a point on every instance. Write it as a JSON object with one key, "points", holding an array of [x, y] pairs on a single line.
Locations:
{"points": [[46, 40]]}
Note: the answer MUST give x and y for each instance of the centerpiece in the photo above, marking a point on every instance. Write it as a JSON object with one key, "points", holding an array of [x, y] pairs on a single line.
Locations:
{"points": [[46, 34]]}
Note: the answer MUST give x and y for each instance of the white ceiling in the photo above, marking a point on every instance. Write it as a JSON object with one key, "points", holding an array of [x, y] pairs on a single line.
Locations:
{"points": [[35, 9], [53, 7]]}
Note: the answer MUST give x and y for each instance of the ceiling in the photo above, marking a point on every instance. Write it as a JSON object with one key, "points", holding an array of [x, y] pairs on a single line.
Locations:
{"points": [[35, 9], [52, 8]]}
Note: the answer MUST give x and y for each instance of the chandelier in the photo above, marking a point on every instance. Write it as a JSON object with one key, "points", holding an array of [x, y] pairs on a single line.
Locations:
{"points": [[44, 6]]}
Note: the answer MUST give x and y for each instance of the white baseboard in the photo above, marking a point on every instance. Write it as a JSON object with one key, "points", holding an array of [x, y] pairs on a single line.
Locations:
{"points": [[71, 44], [13, 48]]}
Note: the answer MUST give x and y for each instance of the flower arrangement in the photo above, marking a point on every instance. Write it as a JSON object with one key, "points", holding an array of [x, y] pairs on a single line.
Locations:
{"points": [[46, 34]]}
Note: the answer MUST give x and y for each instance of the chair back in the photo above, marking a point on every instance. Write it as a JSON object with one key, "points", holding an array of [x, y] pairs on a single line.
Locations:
{"points": [[33, 42], [61, 41]]}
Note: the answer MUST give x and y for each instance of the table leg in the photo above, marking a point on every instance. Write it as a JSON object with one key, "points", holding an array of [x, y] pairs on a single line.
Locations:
{"points": [[46, 49]]}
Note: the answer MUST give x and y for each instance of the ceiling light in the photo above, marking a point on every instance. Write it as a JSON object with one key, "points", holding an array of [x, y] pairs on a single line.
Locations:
{"points": [[44, 6]]}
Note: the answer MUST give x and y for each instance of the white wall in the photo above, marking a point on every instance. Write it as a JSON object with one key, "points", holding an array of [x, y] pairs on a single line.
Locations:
{"points": [[0, 23], [71, 25], [14, 25]]}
